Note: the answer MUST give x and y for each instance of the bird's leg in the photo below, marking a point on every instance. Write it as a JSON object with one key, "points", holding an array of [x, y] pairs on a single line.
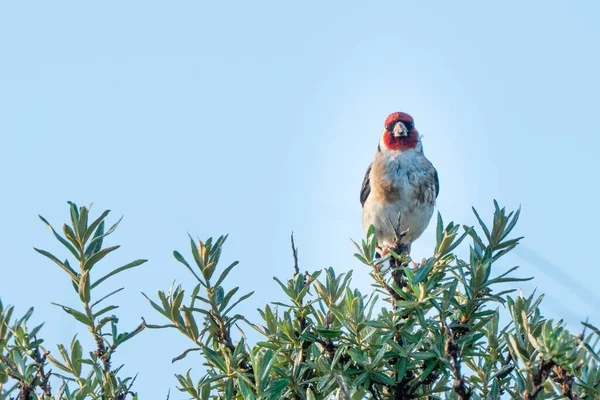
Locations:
{"points": [[382, 251], [416, 266]]}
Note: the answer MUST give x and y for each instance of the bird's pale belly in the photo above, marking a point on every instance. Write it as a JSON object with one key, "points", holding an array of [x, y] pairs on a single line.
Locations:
{"points": [[413, 217]]}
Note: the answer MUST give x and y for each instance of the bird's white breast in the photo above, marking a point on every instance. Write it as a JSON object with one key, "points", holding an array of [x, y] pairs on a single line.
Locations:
{"points": [[401, 183]]}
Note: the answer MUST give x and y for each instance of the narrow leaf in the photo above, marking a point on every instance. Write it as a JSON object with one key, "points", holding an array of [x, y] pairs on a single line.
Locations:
{"points": [[184, 354], [116, 271], [62, 240], [66, 268], [90, 230], [97, 257]]}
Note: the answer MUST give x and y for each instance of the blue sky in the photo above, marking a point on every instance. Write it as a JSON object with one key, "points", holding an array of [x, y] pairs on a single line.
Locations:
{"points": [[256, 119]]}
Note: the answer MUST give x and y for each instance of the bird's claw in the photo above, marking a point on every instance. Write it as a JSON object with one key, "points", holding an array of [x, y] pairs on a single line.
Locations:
{"points": [[381, 252], [417, 266]]}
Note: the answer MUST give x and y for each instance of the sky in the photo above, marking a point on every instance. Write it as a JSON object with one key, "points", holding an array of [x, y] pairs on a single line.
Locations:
{"points": [[259, 118]]}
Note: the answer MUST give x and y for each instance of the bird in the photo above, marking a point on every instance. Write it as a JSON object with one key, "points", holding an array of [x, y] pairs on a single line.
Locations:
{"points": [[400, 185]]}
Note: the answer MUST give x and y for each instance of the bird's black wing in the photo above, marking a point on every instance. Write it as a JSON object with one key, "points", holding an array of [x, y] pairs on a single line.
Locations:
{"points": [[366, 187], [437, 182]]}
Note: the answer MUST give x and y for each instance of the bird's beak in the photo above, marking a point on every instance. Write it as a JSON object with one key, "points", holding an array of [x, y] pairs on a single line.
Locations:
{"points": [[400, 130]]}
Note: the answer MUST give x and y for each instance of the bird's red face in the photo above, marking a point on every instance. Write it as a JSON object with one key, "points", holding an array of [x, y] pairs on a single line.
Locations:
{"points": [[400, 132]]}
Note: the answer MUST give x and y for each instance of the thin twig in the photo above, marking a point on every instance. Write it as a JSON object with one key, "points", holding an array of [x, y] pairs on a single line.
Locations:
{"points": [[566, 382], [295, 254], [339, 378], [401, 390], [399, 247], [44, 377], [101, 352], [374, 393], [539, 378], [459, 386]]}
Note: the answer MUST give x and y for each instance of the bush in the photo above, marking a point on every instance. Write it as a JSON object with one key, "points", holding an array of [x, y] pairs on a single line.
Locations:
{"points": [[438, 330]]}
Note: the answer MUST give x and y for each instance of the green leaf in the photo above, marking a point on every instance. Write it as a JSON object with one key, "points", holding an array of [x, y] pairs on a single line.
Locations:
{"points": [[455, 244], [99, 238], [122, 338], [105, 310], [62, 240], [84, 287], [220, 297], [439, 232], [120, 269], [476, 239], [97, 257], [184, 354], [423, 271], [485, 228], [74, 214], [149, 326], [156, 306], [4, 321], [82, 223], [511, 224], [214, 358], [245, 389], [208, 270], [79, 316], [244, 297], [106, 297], [175, 312], [95, 245], [56, 362], [592, 328], [91, 229], [196, 253], [330, 333], [76, 353], [71, 236], [591, 351], [268, 345], [225, 273], [65, 268], [288, 292], [182, 260], [190, 324]]}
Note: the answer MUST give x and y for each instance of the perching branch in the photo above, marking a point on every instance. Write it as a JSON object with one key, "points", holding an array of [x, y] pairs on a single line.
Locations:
{"points": [[295, 255], [538, 379], [339, 378], [565, 381], [399, 247], [43, 377], [459, 386]]}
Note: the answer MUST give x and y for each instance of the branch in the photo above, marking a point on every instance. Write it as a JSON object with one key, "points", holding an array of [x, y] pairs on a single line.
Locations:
{"points": [[295, 254], [44, 377], [374, 392], [539, 378], [399, 247], [412, 389], [101, 352], [339, 378], [459, 386], [379, 278], [566, 382]]}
